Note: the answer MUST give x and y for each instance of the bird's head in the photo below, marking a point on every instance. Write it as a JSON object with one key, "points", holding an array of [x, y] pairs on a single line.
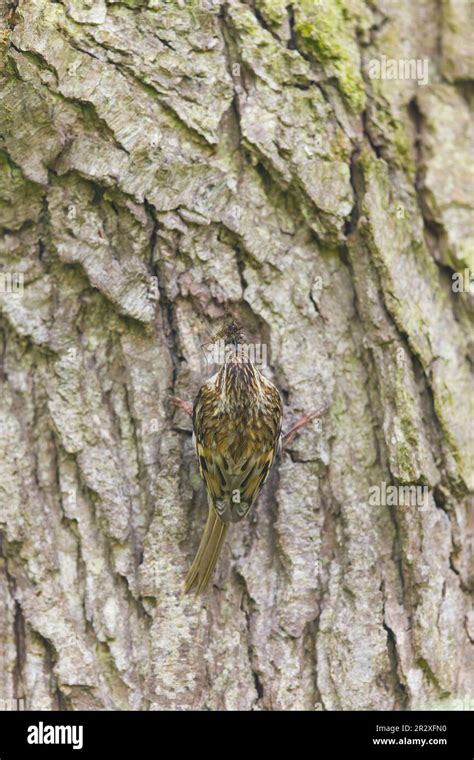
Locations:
{"points": [[238, 378], [231, 333]]}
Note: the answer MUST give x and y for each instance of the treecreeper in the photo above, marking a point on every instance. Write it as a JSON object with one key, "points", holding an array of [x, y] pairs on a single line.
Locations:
{"points": [[237, 423]]}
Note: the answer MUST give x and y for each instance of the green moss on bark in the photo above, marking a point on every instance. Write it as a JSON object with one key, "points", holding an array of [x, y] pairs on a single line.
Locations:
{"points": [[326, 33]]}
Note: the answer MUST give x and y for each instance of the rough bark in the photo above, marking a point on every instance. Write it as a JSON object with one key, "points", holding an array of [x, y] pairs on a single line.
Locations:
{"points": [[160, 161]]}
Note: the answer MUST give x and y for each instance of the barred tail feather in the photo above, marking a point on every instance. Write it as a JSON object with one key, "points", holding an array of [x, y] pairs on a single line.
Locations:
{"points": [[207, 554]]}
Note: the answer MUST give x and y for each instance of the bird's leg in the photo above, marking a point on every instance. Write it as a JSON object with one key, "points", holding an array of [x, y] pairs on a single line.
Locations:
{"points": [[290, 435], [185, 406]]}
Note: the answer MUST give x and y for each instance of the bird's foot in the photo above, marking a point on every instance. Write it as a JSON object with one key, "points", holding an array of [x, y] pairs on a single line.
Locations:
{"points": [[185, 406], [290, 435]]}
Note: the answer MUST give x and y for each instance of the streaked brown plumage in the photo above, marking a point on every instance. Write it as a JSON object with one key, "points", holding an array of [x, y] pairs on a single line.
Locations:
{"points": [[237, 420]]}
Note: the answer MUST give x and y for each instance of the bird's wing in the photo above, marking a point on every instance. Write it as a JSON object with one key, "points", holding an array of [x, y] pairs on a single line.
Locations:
{"points": [[234, 487], [249, 484]]}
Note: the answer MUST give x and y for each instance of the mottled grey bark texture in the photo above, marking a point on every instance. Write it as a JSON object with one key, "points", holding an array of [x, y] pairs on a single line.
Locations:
{"points": [[160, 161]]}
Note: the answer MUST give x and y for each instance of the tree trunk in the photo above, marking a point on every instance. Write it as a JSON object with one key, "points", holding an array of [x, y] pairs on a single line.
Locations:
{"points": [[161, 162]]}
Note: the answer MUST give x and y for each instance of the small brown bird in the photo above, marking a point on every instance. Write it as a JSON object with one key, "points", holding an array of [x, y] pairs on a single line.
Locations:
{"points": [[237, 420]]}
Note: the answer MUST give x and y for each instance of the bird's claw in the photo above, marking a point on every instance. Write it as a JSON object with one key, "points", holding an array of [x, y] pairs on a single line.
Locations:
{"points": [[185, 406], [290, 435]]}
